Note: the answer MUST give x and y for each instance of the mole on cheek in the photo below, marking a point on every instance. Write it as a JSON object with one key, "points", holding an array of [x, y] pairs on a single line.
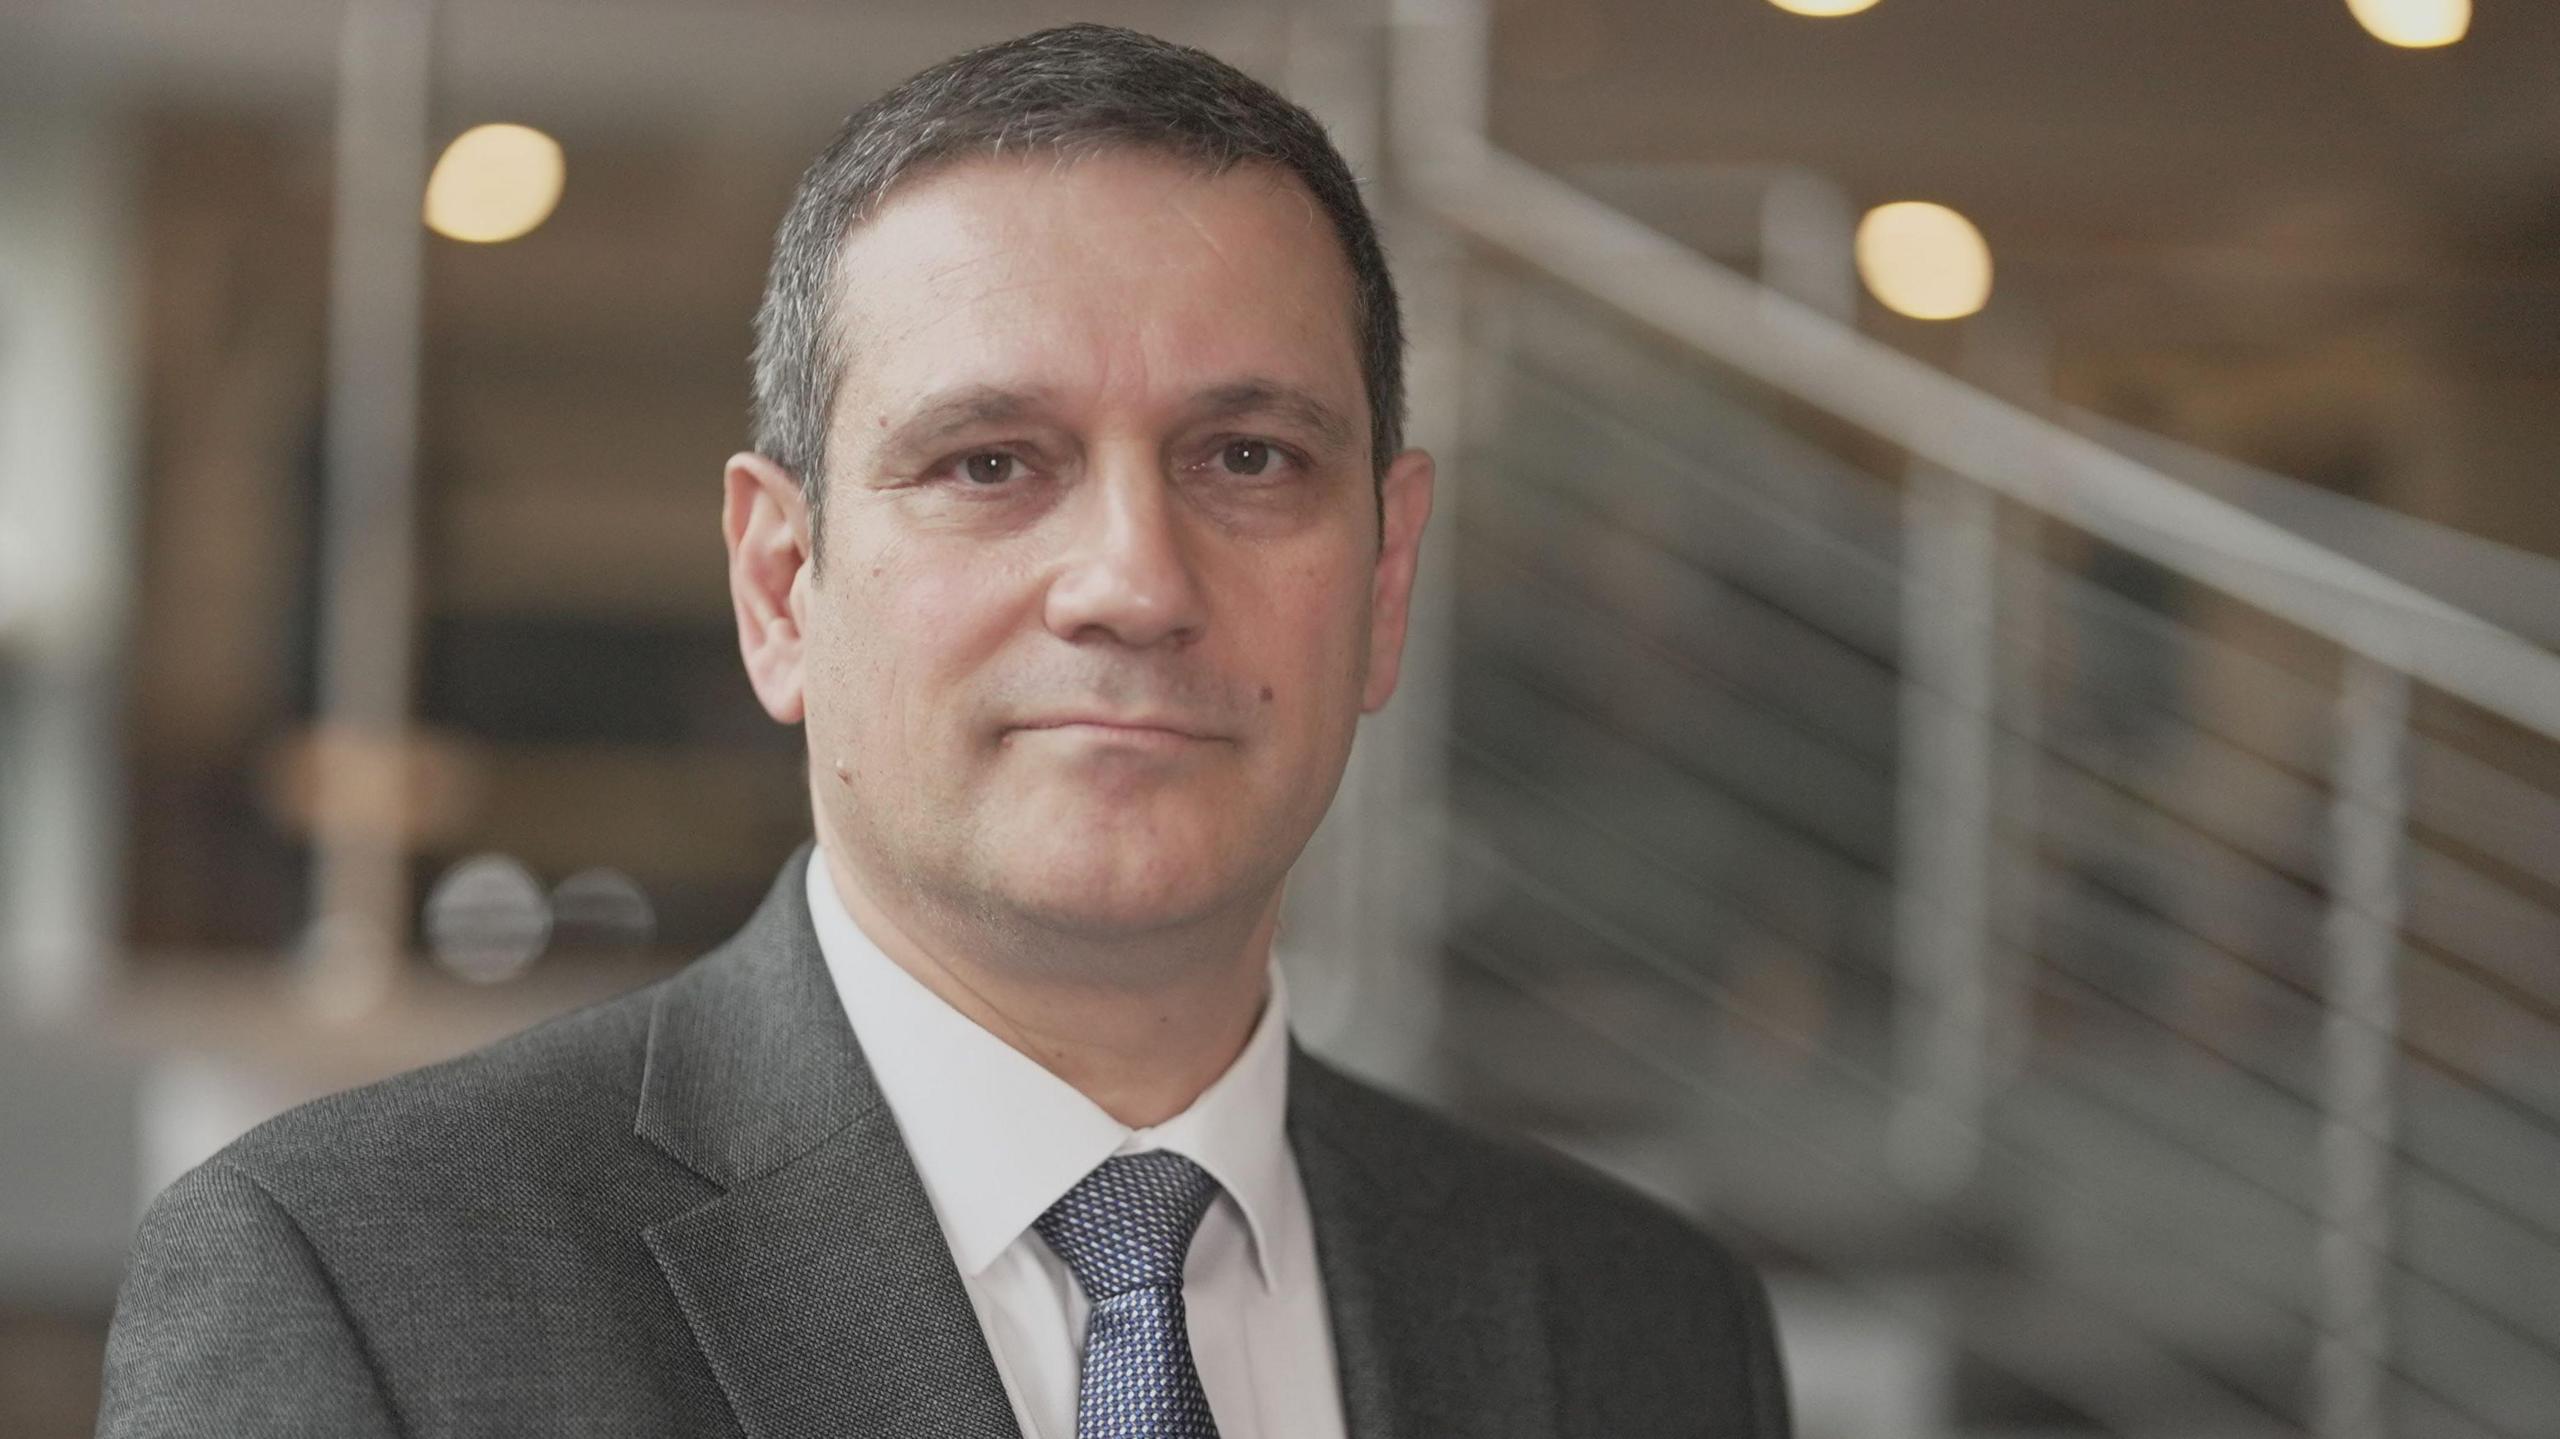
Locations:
{"points": [[1266, 694]]}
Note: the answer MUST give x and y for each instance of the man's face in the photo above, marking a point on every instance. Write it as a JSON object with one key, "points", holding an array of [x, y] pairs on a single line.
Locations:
{"points": [[1104, 591]]}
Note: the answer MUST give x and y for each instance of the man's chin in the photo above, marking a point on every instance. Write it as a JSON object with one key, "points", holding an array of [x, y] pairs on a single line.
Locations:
{"points": [[1105, 866], [1117, 892]]}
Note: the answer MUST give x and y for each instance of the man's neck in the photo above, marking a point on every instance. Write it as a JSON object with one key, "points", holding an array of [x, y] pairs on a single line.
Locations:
{"points": [[1141, 1053]]}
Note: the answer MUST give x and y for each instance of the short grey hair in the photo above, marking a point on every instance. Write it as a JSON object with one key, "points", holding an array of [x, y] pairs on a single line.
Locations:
{"points": [[1070, 91]]}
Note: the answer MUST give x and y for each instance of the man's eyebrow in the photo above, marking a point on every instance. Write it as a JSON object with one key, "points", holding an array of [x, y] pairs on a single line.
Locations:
{"points": [[952, 411], [1271, 397]]}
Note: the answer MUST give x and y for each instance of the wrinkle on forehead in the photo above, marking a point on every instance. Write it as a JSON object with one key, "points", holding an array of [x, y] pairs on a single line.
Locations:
{"points": [[1275, 181]]}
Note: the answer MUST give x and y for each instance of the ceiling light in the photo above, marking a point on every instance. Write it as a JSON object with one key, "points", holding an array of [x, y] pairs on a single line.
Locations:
{"points": [[494, 182], [2414, 24], [1822, 7], [1924, 260]]}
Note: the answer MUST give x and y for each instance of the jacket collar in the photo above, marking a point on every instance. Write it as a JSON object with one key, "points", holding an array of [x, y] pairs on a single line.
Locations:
{"points": [[750, 1061], [817, 1285]]}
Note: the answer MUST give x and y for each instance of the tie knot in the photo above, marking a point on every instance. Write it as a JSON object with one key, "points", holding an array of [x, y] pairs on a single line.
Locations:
{"points": [[1128, 1224]]}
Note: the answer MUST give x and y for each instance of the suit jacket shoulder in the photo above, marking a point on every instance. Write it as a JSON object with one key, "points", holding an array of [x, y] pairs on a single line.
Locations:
{"points": [[414, 1255], [539, 1117], [681, 1212], [1646, 1323]]}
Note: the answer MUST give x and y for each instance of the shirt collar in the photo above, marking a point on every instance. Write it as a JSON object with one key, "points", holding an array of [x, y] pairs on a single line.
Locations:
{"points": [[997, 1139]]}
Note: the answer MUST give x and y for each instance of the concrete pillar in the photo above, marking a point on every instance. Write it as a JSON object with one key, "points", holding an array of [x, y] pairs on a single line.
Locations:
{"points": [[67, 415]]}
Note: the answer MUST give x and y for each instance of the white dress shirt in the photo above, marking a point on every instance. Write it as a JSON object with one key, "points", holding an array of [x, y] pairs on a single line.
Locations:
{"points": [[997, 1139]]}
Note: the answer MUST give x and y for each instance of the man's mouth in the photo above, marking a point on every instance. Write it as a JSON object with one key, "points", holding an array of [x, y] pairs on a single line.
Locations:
{"points": [[1139, 730]]}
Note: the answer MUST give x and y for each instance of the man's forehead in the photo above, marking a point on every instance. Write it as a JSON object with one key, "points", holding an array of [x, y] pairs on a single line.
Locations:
{"points": [[994, 175], [1026, 275], [1110, 209]]}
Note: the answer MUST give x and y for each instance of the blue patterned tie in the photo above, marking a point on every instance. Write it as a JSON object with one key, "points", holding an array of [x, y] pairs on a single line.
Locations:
{"points": [[1124, 1231]]}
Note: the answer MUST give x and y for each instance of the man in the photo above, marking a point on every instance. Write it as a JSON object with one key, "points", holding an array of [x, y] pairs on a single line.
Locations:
{"points": [[1079, 535]]}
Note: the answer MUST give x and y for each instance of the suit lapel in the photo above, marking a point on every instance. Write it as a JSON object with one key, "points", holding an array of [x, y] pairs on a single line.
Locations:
{"points": [[825, 1299], [819, 1285], [1436, 1310]]}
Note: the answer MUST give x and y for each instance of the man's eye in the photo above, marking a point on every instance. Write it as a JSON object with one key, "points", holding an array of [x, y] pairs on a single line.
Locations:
{"points": [[989, 467], [1245, 457]]}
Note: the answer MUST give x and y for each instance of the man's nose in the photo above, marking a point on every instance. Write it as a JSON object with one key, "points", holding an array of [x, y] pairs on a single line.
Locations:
{"points": [[1128, 575]]}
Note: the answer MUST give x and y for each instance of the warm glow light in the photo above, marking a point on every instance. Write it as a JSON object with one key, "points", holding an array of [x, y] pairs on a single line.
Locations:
{"points": [[1822, 7], [1924, 260], [494, 182], [2415, 24]]}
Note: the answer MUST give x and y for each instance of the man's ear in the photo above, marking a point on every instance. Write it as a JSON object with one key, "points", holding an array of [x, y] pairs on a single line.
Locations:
{"points": [[765, 523], [1404, 494]]}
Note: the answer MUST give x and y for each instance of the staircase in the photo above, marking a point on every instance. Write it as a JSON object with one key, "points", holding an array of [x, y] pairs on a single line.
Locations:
{"points": [[2208, 1127]]}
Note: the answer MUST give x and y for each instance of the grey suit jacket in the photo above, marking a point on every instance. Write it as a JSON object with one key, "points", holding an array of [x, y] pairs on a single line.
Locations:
{"points": [[688, 1211]]}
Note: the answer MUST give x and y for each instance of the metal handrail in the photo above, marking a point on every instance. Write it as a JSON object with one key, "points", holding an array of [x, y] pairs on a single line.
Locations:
{"points": [[1654, 281], [2516, 804]]}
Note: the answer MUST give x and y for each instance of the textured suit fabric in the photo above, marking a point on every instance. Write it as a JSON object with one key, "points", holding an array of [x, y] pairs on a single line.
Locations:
{"points": [[688, 1211]]}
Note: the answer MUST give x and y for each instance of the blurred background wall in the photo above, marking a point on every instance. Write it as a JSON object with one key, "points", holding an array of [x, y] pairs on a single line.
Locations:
{"points": [[1985, 715]]}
